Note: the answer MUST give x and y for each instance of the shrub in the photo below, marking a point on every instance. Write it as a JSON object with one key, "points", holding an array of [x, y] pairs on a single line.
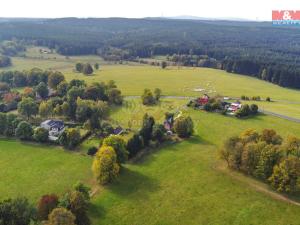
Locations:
{"points": [[163, 65], [92, 150], [157, 94], [148, 98], [87, 69], [105, 166], [70, 138], [61, 216], [78, 206], [45, 206], [184, 126], [83, 189], [119, 145], [134, 145], [207, 107], [254, 109], [147, 127], [158, 132], [268, 99], [40, 134], [16, 212], [115, 96], [244, 111], [106, 129], [24, 131]]}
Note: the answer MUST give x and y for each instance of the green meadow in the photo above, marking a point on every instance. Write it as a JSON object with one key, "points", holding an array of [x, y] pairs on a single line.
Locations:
{"points": [[33, 170], [133, 78], [179, 183]]}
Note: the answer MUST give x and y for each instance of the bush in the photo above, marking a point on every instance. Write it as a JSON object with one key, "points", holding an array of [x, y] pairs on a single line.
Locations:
{"points": [[268, 99], [119, 145], [106, 129], [16, 212], [92, 151], [254, 109], [40, 134], [105, 166], [207, 107], [184, 126], [134, 145], [87, 69], [24, 131], [45, 206], [158, 132], [70, 138], [61, 216], [147, 127], [78, 206], [244, 111], [148, 98], [83, 189]]}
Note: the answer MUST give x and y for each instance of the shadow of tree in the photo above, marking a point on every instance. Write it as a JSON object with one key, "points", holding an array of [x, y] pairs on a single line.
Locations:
{"points": [[131, 183]]}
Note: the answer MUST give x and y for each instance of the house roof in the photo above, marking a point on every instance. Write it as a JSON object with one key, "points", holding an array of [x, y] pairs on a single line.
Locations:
{"points": [[54, 123]]}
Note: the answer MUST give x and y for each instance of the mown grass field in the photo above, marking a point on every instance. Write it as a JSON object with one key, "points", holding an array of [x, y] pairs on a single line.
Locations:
{"points": [[33, 170], [179, 184]]}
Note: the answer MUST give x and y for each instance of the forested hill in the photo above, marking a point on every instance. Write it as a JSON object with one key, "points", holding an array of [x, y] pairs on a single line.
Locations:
{"points": [[252, 48]]}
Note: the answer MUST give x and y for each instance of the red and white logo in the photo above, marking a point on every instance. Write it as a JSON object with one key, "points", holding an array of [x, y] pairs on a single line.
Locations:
{"points": [[286, 17]]}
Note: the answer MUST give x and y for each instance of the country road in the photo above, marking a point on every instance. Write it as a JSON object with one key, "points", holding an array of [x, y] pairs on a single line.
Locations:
{"points": [[279, 116], [260, 110]]}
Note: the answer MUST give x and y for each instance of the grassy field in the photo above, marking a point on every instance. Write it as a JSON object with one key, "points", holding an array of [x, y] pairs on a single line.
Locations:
{"points": [[286, 108], [33, 170], [133, 78], [179, 184]]}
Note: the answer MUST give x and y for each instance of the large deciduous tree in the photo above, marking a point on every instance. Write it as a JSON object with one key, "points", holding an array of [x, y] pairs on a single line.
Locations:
{"points": [[105, 166]]}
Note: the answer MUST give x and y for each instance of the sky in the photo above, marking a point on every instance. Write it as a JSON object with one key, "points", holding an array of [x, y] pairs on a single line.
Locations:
{"points": [[246, 9]]}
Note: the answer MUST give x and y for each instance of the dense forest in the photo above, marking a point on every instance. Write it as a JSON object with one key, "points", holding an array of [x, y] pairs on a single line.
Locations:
{"points": [[252, 48]]}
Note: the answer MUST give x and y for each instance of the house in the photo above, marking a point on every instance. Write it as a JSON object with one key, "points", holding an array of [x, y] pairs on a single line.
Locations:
{"points": [[203, 100], [118, 130], [235, 106], [55, 127]]}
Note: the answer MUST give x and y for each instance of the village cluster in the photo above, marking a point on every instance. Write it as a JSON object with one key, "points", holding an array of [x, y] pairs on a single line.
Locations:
{"points": [[223, 105]]}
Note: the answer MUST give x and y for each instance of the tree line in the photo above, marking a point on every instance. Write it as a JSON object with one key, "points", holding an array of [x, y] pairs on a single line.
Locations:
{"points": [[265, 156], [233, 46]]}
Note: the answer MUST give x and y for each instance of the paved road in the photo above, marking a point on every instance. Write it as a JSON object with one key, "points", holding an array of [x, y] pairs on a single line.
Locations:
{"points": [[280, 116], [260, 110]]}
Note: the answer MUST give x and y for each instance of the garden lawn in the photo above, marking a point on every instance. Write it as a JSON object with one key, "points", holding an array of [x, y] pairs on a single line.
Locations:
{"points": [[32, 170], [179, 183]]}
